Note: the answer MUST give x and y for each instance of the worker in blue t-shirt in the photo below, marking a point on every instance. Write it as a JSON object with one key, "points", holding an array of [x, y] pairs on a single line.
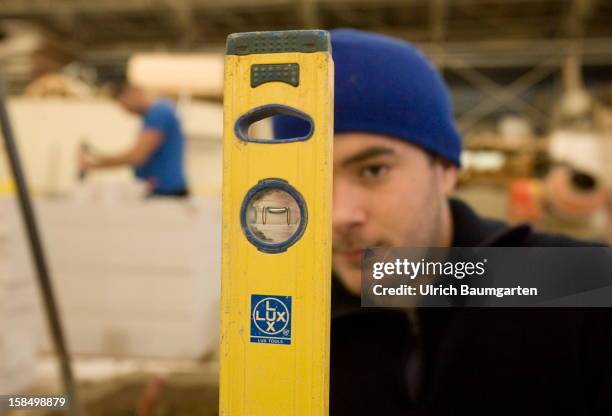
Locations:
{"points": [[157, 156]]}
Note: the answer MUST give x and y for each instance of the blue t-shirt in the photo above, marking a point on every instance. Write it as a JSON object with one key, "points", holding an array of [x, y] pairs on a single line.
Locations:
{"points": [[164, 169]]}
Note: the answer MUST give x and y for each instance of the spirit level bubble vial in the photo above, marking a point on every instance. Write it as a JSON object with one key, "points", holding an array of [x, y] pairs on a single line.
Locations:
{"points": [[275, 301]]}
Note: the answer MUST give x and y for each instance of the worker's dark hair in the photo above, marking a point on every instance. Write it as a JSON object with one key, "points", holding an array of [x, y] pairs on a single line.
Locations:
{"points": [[434, 159], [119, 87]]}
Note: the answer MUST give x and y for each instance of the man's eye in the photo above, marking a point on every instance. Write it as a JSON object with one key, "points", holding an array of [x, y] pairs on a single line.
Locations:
{"points": [[374, 171]]}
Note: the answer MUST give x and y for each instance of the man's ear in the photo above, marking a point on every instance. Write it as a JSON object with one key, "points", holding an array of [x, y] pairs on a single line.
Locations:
{"points": [[447, 176]]}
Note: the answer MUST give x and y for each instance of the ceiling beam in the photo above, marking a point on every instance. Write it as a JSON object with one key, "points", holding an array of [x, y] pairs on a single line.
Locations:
{"points": [[28, 8], [309, 13], [182, 11], [437, 28]]}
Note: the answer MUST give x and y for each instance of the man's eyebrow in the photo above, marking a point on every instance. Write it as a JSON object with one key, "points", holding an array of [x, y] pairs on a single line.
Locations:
{"points": [[368, 153]]}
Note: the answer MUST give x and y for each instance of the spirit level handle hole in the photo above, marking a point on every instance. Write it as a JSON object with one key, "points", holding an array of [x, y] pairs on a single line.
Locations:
{"points": [[254, 125]]}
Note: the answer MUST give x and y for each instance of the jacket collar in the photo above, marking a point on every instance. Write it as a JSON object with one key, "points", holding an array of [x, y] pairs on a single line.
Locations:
{"points": [[471, 230]]}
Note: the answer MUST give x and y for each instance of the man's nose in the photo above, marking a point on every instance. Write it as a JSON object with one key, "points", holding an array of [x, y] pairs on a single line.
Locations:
{"points": [[348, 207]]}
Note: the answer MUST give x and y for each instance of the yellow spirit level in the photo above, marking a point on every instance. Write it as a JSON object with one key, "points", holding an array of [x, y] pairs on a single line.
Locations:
{"points": [[275, 302]]}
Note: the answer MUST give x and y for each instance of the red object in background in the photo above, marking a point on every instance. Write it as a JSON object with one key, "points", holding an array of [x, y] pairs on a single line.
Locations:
{"points": [[568, 197], [524, 204], [150, 396]]}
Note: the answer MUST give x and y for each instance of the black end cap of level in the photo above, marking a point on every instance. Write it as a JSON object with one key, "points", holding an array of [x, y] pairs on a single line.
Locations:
{"points": [[305, 41]]}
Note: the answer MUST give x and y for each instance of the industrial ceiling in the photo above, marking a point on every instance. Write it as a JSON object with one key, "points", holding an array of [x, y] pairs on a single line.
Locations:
{"points": [[465, 37]]}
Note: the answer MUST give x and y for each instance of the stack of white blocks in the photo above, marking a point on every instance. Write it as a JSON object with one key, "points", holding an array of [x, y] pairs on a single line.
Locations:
{"points": [[139, 279], [18, 308]]}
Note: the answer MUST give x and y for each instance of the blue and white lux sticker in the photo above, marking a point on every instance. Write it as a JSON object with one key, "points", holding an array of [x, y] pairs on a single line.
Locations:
{"points": [[271, 319]]}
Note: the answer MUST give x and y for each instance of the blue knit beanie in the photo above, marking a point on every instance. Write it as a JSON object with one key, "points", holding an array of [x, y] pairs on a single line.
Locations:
{"points": [[386, 86]]}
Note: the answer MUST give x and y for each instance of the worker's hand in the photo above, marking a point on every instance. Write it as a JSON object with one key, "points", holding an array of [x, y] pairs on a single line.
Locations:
{"points": [[85, 160]]}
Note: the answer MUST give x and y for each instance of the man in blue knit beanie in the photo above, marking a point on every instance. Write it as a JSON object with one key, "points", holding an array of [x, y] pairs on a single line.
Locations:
{"points": [[396, 155], [396, 149]]}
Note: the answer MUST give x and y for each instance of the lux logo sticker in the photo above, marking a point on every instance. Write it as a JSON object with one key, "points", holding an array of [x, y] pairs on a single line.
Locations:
{"points": [[271, 319]]}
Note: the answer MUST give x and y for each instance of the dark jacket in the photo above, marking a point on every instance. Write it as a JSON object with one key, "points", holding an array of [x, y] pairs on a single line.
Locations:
{"points": [[471, 361]]}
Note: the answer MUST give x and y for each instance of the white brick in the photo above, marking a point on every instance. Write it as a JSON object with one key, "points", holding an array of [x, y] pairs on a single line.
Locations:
{"points": [[17, 304], [138, 280]]}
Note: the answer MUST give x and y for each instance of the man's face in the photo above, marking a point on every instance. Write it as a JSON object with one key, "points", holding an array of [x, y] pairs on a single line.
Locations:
{"points": [[387, 193], [131, 99]]}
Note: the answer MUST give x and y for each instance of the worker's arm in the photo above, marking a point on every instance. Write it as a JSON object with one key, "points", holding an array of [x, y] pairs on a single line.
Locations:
{"points": [[148, 141]]}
